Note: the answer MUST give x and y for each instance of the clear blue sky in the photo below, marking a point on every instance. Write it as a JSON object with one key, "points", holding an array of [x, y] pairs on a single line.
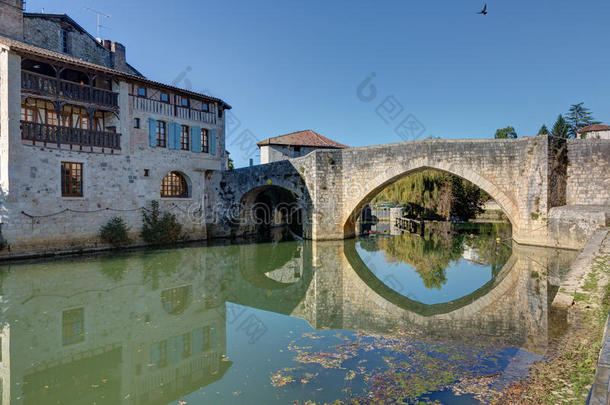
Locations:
{"points": [[291, 65]]}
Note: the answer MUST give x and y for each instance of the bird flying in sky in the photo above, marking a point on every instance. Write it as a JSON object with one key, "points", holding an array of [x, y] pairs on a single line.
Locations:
{"points": [[484, 11]]}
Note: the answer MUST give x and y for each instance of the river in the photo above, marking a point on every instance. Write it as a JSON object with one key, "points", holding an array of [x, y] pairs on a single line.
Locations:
{"points": [[453, 315]]}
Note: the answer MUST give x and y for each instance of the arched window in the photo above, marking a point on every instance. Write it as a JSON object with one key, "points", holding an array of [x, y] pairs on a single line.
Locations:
{"points": [[174, 185]]}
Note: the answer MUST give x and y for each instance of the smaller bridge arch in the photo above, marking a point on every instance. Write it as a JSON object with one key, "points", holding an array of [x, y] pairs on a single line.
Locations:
{"points": [[265, 207]]}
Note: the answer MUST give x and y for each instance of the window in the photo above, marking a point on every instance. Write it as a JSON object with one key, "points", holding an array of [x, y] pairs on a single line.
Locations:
{"points": [[161, 134], [175, 300], [64, 41], [83, 122], [207, 341], [52, 117], [141, 91], [28, 113], [158, 354], [186, 345], [136, 123], [182, 101], [165, 97], [174, 186], [205, 140], [205, 106], [71, 179], [184, 137], [73, 326]]}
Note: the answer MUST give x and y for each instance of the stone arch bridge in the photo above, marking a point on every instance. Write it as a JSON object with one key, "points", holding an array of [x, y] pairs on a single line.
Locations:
{"points": [[554, 191]]}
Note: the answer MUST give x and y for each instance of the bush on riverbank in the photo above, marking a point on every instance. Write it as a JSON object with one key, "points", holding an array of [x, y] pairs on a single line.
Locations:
{"points": [[160, 228], [115, 232]]}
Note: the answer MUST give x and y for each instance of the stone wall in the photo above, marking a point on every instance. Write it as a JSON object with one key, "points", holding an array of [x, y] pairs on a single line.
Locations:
{"points": [[274, 153], [46, 33], [588, 181], [11, 18]]}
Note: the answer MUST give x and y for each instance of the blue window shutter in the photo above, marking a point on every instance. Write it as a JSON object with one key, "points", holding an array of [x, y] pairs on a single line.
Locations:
{"points": [[196, 139], [171, 135], [155, 353], [152, 132], [177, 136], [175, 347], [213, 142]]}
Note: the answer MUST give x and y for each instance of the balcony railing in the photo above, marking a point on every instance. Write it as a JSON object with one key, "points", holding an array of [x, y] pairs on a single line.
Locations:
{"points": [[158, 107], [50, 86], [58, 135]]}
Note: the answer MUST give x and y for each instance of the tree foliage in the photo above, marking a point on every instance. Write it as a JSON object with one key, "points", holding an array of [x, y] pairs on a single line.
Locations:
{"points": [[577, 117], [506, 133], [543, 130], [560, 128], [160, 228], [115, 232], [432, 194]]}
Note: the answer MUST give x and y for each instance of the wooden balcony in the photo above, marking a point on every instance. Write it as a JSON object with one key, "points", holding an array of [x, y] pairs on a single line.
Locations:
{"points": [[54, 135], [53, 87], [170, 110]]}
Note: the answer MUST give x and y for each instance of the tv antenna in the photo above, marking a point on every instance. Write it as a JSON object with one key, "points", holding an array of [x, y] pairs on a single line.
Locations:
{"points": [[99, 16]]}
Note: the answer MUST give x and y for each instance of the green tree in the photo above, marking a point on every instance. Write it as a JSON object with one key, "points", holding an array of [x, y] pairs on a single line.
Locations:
{"points": [[543, 130], [578, 117], [432, 194], [506, 133], [230, 164], [160, 228], [560, 128]]}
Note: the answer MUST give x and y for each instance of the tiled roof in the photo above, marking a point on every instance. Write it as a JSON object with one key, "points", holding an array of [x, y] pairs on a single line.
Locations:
{"points": [[596, 127], [24, 47], [303, 138]]}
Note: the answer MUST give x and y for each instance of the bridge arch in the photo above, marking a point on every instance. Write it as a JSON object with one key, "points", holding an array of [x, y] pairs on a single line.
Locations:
{"points": [[358, 192], [267, 206]]}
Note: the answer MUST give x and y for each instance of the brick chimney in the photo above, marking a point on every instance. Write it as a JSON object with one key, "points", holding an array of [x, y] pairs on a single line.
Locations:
{"points": [[120, 61], [11, 18]]}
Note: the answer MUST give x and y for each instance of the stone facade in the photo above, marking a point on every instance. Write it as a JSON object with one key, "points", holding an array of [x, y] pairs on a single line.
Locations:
{"points": [[117, 180], [588, 181], [273, 153]]}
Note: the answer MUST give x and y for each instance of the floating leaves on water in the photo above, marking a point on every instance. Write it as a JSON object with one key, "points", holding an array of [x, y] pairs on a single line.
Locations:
{"points": [[480, 387], [281, 378], [395, 368], [311, 335]]}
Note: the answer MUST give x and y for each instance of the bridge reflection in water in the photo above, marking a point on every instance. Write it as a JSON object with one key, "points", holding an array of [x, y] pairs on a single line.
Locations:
{"points": [[154, 327]]}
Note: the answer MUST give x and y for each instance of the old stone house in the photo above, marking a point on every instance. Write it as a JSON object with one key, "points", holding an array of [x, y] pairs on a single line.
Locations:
{"points": [[596, 131], [84, 136], [294, 144]]}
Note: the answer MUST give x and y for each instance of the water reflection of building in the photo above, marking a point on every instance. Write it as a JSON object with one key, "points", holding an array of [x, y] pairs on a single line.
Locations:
{"points": [[472, 255], [149, 336]]}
